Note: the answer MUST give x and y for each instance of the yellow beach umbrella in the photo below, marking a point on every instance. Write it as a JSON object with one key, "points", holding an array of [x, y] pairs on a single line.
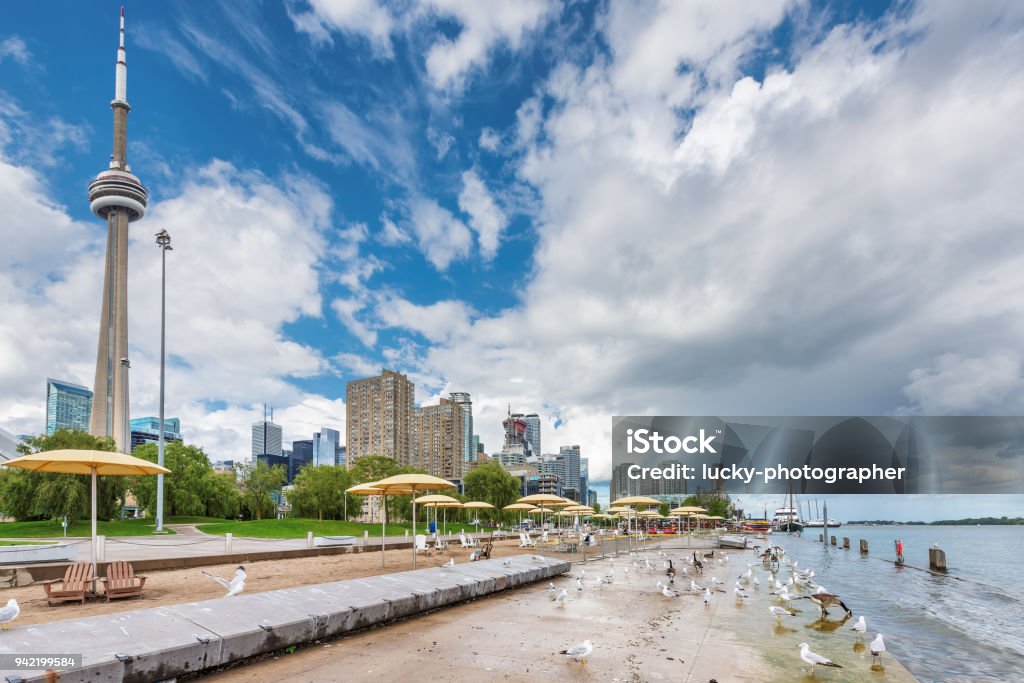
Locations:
{"points": [[94, 463], [404, 484], [520, 507], [478, 505], [439, 500]]}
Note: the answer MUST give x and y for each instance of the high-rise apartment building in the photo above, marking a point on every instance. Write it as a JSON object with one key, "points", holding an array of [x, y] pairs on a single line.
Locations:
{"points": [[463, 399], [571, 472], [325, 447], [584, 479], [532, 434], [439, 440], [68, 406], [379, 417], [266, 438]]}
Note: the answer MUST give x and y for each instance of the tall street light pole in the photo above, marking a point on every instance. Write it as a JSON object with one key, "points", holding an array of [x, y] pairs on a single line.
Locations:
{"points": [[163, 240], [126, 430]]}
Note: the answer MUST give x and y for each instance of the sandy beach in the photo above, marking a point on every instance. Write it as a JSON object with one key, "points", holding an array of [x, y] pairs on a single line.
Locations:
{"points": [[187, 585]]}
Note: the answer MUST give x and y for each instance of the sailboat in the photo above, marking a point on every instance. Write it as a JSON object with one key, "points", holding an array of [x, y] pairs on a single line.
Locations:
{"points": [[787, 518]]}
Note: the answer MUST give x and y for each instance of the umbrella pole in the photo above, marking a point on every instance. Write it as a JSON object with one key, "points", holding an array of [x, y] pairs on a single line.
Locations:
{"points": [[383, 523], [94, 528], [414, 529]]}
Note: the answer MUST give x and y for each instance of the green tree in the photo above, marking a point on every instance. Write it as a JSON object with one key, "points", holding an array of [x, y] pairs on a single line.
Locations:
{"points": [[663, 509], [490, 482], [192, 489], [34, 495], [320, 492], [258, 483], [373, 468], [716, 503], [597, 508]]}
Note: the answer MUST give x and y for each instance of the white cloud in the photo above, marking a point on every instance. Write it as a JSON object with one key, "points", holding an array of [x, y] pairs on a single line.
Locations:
{"points": [[489, 140], [346, 310], [15, 48], [381, 143], [390, 234], [953, 384], [483, 27], [802, 244], [366, 18], [438, 322], [440, 141], [485, 217], [441, 237]]}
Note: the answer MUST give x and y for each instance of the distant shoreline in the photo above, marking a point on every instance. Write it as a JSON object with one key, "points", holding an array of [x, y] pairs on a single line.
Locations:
{"points": [[972, 521]]}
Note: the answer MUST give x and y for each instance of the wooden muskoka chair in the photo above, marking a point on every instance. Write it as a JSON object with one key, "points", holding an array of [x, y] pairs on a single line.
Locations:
{"points": [[76, 583], [121, 581]]}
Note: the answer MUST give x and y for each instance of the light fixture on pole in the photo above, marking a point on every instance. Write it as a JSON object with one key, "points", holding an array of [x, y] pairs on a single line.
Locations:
{"points": [[163, 240]]}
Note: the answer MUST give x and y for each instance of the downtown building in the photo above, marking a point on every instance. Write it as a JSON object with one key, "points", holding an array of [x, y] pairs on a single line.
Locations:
{"points": [[147, 430], [439, 440], [465, 401], [68, 406], [326, 447], [379, 417], [266, 439]]}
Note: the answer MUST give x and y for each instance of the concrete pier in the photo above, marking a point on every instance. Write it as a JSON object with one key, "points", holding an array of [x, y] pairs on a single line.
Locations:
{"points": [[937, 559], [165, 642]]}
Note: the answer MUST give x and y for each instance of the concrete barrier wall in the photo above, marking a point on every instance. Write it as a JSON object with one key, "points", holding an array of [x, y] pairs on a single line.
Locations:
{"points": [[164, 642]]}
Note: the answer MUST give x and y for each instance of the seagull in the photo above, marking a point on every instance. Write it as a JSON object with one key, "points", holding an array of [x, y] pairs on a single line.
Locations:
{"points": [[537, 558], [739, 592], [877, 648], [860, 627], [757, 584], [707, 597], [9, 614], [561, 598], [579, 652], [235, 586], [668, 592], [814, 659], [506, 563], [824, 601], [695, 587], [551, 588], [448, 564], [579, 583], [779, 612]]}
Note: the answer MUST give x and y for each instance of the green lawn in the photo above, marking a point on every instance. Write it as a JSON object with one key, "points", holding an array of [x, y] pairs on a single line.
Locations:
{"points": [[52, 528], [297, 528]]}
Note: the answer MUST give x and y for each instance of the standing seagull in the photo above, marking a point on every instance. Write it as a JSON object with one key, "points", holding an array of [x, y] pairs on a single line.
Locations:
{"points": [[814, 659], [235, 586], [707, 597], [877, 648], [9, 614], [860, 627], [579, 583], [779, 612], [579, 652], [824, 601], [561, 598]]}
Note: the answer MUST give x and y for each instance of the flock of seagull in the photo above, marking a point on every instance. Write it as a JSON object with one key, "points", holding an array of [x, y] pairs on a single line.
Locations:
{"points": [[800, 585]]}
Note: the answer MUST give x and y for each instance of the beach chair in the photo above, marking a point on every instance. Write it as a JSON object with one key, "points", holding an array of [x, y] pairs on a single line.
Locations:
{"points": [[526, 542], [440, 543], [421, 544], [76, 583], [544, 537], [467, 542], [121, 582]]}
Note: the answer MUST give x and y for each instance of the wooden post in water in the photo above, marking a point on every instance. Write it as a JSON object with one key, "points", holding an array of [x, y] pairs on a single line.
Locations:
{"points": [[863, 547], [937, 558], [846, 543], [833, 540], [821, 538]]}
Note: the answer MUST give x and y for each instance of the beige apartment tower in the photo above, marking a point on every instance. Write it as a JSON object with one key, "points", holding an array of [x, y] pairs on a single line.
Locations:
{"points": [[118, 198], [438, 439], [379, 417]]}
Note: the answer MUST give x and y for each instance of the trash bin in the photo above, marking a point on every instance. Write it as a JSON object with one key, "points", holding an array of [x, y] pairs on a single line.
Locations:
{"points": [[433, 527]]}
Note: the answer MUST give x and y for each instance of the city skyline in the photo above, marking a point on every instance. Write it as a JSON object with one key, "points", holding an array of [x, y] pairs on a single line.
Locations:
{"points": [[554, 207]]}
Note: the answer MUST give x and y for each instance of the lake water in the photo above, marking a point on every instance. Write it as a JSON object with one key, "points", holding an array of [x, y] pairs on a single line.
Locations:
{"points": [[967, 626]]}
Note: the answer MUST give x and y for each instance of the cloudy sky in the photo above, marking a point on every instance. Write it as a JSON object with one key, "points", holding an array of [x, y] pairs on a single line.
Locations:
{"points": [[584, 209]]}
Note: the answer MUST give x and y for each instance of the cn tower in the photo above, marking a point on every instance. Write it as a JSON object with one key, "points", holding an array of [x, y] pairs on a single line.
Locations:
{"points": [[119, 198]]}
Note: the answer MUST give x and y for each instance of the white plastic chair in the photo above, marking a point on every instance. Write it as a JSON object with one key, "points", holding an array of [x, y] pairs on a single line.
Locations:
{"points": [[421, 544]]}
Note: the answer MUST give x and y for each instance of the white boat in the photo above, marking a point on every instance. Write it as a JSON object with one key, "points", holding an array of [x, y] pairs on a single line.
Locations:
{"points": [[787, 519], [732, 541], [820, 524]]}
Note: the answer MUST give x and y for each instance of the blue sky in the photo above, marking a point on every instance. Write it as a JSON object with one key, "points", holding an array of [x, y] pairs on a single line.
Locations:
{"points": [[584, 209]]}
